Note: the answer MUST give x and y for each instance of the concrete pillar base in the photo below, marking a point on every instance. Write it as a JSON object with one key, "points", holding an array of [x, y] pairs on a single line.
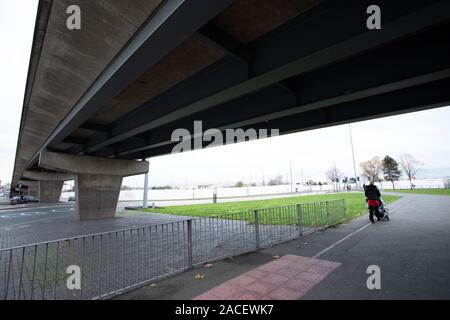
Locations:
{"points": [[46, 186], [50, 191], [97, 180], [33, 190], [96, 195]]}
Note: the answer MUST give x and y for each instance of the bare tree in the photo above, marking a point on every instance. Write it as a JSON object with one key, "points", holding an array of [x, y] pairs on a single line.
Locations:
{"points": [[372, 169], [278, 180], [334, 174], [411, 167]]}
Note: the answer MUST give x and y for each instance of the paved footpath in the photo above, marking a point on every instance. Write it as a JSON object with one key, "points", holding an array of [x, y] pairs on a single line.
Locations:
{"points": [[412, 251]]}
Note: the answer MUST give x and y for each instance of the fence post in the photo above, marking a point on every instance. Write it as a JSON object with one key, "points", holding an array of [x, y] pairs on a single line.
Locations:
{"points": [[344, 208], [300, 219], [189, 227], [258, 244], [71, 251], [9, 273], [328, 213]]}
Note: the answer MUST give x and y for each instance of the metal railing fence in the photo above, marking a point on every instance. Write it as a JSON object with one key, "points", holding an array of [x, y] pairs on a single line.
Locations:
{"points": [[117, 261]]}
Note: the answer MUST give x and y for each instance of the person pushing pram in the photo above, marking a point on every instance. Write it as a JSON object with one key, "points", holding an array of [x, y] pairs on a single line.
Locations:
{"points": [[375, 203]]}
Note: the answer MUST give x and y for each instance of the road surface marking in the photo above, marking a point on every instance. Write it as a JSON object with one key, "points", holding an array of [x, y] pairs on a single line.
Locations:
{"points": [[340, 241], [58, 206], [6, 228], [353, 233]]}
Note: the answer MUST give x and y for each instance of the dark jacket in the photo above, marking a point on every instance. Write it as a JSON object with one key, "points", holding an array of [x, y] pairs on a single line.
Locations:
{"points": [[372, 192]]}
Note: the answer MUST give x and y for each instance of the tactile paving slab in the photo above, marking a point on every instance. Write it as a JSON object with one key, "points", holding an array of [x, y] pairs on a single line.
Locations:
{"points": [[287, 278]]}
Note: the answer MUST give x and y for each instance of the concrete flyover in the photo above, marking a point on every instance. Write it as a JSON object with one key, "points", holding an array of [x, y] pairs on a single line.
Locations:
{"points": [[97, 180], [46, 187], [137, 70]]}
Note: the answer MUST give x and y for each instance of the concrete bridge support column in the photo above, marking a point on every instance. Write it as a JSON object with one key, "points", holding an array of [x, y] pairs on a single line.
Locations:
{"points": [[50, 191], [97, 180], [33, 189], [49, 185], [97, 195]]}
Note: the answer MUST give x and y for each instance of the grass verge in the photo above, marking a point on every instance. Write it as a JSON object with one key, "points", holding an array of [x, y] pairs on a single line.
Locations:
{"points": [[355, 205], [443, 192]]}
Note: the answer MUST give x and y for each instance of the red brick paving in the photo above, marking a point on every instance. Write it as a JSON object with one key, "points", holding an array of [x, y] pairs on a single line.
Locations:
{"points": [[287, 278], [256, 274], [261, 286], [244, 280]]}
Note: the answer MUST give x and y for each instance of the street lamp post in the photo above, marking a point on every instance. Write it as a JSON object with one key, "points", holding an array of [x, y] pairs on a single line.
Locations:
{"points": [[290, 169], [353, 155], [145, 201]]}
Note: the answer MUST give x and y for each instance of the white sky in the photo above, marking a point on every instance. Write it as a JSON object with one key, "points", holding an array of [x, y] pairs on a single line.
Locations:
{"points": [[425, 134]]}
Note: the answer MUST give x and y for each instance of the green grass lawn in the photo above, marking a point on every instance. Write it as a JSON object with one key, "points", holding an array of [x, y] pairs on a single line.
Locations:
{"points": [[444, 192], [355, 205]]}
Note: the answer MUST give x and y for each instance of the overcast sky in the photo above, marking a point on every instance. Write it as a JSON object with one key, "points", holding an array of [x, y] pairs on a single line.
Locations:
{"points": [[425, 135]]}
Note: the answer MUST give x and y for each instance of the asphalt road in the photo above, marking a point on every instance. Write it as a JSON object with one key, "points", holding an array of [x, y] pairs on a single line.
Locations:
{"points": [[23, 226], [412, 251], [17, 217]]}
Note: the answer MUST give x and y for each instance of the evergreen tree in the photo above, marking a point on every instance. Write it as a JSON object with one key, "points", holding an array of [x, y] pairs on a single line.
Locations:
{"points": [[391, 170]]}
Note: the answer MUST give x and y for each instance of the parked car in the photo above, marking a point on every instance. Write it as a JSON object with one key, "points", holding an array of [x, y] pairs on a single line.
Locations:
{"points": [[71, 198], [23, 199], [30, 199]]}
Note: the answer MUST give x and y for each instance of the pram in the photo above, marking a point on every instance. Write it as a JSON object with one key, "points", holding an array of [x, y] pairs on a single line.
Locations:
{"points": [[384, 212], [378, 209]]}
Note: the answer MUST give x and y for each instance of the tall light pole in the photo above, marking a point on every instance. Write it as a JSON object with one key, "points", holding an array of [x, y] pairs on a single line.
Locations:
{"points": [[353, 155], [290, 169], [145, 201], [336, 176]]}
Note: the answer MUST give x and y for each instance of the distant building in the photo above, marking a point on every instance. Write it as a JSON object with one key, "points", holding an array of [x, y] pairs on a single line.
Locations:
{"points": [[205, 186]]}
